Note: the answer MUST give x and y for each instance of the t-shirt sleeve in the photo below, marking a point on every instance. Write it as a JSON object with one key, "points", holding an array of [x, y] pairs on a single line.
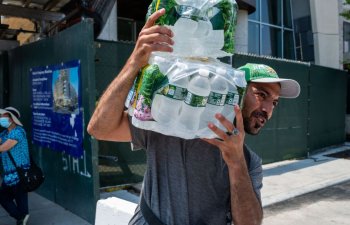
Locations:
{"points": [[255, 173], [138, 137]]}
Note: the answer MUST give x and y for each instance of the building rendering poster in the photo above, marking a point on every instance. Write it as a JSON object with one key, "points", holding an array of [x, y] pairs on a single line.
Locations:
{"points": [[57, 120]]}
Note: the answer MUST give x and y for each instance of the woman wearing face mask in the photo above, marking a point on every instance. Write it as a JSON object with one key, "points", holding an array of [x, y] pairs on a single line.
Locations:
{"points": [[13, 140]]}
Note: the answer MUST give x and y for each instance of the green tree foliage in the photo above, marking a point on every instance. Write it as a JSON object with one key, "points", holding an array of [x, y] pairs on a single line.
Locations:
{"points": [[346, 12]]}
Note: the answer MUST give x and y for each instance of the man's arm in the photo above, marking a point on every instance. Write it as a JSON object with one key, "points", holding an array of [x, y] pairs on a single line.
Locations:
{"points": [[245, 206], [109, 121]]}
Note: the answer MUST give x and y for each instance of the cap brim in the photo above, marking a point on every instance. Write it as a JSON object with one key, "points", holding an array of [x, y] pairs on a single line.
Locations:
{"points": [[14, 118], [289, 88]]}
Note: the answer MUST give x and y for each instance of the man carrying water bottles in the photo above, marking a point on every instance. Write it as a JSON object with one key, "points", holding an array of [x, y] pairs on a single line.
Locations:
{"points": [[198, 181]]}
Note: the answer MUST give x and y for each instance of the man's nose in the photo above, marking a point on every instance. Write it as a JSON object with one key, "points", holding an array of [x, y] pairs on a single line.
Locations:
{"points": [[267, 106]]}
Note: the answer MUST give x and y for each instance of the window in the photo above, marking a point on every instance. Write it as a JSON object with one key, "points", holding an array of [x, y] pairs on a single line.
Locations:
{"points": [[271, 12], [256, 15], [287, 14], [270, 29], [271, 43], [288, 44], [346, 39], [304, 41], [128, 29], [346, 56], [254, 34]]}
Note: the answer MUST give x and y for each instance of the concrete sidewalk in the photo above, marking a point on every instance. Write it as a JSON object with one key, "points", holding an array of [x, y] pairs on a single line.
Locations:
{"points": [[291, 178], [44, 212], [282, 181]]}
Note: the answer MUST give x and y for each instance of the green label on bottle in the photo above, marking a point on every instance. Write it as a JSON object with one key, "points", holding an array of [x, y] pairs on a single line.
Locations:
{"points": [[195, 100], [232, 98], [174, 92], [216, 99]]}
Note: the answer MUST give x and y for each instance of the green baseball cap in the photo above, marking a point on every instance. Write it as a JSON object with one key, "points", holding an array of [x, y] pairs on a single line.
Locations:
{"points": [[260, 73]]}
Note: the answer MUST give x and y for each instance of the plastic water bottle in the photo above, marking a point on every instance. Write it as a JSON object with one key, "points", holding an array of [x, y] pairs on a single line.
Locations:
{"points": [[215, 40], [163, 63], [239, 78], [185, 27], [167, 103], [183, 31], [203, 30], [142, 116], [216, 100], [232, 99], [129, 98], [198, 91]]}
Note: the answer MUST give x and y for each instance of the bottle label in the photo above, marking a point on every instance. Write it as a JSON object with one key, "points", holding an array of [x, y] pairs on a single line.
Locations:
{"points": [[195, 100], [174, 92], [216, 99], [232, 98]]}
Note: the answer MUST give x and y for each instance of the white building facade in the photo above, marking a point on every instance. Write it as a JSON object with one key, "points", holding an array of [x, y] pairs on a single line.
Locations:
{"points": [[303, 30]]}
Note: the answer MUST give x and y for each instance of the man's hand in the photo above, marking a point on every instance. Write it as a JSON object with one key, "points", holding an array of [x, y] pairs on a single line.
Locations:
{"points": [[245, 207], [109, 121], [151, 38], [231, 143]]}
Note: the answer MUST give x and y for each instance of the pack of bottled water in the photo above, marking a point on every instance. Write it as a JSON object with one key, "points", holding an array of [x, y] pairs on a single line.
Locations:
{"points": [[179, 93], [201, 27], [180, 96]]}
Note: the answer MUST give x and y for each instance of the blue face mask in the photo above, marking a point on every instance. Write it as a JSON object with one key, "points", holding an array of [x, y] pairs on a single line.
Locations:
{"points": [[5, 122]]}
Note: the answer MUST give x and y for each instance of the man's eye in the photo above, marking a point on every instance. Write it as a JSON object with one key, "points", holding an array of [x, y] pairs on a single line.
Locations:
{"points": [[261, 94]]}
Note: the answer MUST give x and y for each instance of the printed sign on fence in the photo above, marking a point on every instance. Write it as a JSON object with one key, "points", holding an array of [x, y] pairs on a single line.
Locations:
{"points": [[57, 120]]}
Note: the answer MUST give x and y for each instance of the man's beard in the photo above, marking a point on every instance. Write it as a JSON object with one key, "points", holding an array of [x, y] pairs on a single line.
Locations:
{"points": [[250, 124]]}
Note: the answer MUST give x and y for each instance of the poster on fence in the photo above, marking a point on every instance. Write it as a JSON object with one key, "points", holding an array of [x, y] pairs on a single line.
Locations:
{"points": [[57, 120]]}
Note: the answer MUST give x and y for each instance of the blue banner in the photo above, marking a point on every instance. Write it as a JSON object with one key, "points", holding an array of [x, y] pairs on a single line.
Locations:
{"points": [[57, 120]]}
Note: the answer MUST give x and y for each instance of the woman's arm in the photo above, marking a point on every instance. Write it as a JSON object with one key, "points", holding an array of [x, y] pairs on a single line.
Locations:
{"points": [[7, 145]]}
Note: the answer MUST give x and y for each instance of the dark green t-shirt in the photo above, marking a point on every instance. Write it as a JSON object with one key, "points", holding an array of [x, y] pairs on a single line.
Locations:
{"points": [[186, 181]]}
